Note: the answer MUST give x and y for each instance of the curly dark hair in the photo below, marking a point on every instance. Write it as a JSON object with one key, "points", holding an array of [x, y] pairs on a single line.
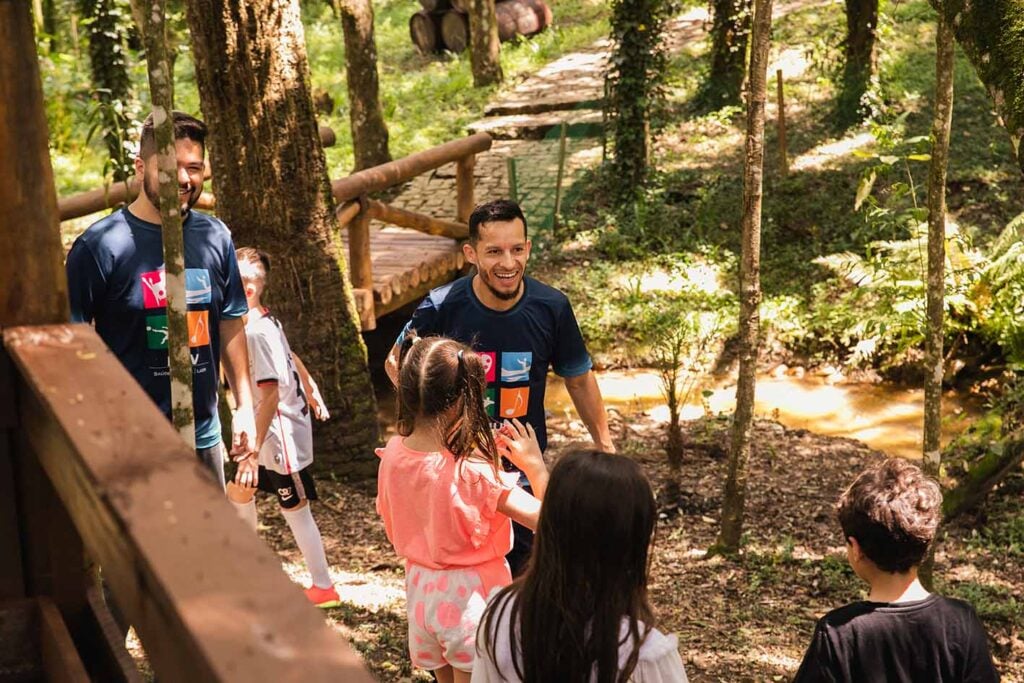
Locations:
{"points": [[893, 510]]}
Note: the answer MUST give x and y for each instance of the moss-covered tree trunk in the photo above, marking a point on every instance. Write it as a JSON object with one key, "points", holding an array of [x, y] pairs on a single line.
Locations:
{"points": [[366, 118], [110, 82], [735, 490], [730, 30], [861, 60], [150, 17], [270, 178], [941, 123], [991, 34], [484, 45]]}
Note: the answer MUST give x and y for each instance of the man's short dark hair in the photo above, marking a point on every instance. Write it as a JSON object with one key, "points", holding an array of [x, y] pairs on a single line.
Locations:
{"points": [[498, 210], [893, 510], [186, 127]]}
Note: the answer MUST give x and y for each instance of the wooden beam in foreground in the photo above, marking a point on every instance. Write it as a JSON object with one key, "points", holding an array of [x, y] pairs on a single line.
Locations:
{"points": [[417, 221], [207, 597]]}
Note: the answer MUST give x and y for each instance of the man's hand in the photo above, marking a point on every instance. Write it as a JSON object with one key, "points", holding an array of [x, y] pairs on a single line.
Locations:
{"points": [[247, 475]]}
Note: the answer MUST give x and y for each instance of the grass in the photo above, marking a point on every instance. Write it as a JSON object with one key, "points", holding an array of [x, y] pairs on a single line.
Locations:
{"points": [[427, 100]]}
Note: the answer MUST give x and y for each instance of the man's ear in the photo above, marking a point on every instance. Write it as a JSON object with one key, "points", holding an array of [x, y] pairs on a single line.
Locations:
{"points": [[140, 167], [469, 252]]}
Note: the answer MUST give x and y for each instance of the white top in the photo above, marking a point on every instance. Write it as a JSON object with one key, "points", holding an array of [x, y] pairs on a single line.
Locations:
{"points": [[288, 446], [659, 660]]}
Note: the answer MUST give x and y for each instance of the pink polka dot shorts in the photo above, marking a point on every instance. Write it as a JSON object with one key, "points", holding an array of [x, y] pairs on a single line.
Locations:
{"points": [[444, 607]]}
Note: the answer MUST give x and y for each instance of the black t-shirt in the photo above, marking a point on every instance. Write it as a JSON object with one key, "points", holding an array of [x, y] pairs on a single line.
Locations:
{"points": [[935, 640], [518, 345]]}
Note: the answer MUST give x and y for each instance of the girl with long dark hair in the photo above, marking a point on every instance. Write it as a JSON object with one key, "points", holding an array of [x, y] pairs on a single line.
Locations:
{"points": [[446, 504], [580, 612]]}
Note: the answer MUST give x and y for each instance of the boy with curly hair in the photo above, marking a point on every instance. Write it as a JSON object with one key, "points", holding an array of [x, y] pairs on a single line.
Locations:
{"points": [[902, 632]]}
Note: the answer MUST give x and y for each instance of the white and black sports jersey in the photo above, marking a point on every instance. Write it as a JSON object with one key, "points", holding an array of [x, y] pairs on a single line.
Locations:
{"points": [[288, 446]]}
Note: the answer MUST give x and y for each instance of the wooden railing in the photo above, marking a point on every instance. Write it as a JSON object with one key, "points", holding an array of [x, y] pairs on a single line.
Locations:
{"points": [[356, 210], [99, 473]]}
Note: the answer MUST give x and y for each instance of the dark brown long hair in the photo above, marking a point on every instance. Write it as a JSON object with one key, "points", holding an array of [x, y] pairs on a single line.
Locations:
{"points": [[587, 573], [435, 374]]}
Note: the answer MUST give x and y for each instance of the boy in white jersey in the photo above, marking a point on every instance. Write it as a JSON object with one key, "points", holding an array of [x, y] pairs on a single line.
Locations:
{"points": [[284, 393]]}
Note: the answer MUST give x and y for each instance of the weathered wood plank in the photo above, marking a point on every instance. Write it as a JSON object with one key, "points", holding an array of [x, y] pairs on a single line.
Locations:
{"points": [[207, 597], [61, 663]]}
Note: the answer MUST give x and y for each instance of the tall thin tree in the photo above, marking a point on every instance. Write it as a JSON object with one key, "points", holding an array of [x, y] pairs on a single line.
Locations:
{"points": [[730, 31], [111, 86], [270, 178], [150, 16], [484, 45], [735, 492], [861, 60], [366, 117]]}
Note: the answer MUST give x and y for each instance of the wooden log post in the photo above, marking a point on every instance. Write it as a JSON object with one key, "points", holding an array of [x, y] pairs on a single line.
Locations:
{"points": [[425, 32], [360, 260], [464, 188], [556, 214], [455, 30], [416, 221]]}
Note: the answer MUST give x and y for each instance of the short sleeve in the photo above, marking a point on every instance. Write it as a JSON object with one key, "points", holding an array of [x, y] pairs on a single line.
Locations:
{"points": [[818, 660], [234, 304], [86, 282], [665, 667], [261, 355], [570, 357], [479, 491], [979, 667]]}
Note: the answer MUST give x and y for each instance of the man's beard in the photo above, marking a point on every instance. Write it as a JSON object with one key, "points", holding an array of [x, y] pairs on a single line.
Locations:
{"points": [[153, 195], [504, 296]]}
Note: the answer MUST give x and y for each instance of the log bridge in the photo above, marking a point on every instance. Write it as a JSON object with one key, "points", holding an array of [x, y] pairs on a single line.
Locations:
{"points": [[392, 264]]}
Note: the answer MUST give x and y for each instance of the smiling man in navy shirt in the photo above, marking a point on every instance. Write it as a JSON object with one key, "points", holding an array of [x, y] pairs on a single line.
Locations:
{"points": [[522, 328]]}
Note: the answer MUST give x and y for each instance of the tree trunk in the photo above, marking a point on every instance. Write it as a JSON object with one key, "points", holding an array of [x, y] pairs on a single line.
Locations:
{"points": [[369, 133], [270, 178], [485, 48], [734, 495], [730, 29], [941, 123], [1003, 459], [150, 17], [991, 34], [861, 62], [33, 288], [111, 85], [942, 119]]}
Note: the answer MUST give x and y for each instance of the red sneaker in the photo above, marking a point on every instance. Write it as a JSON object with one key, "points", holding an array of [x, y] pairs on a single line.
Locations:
{"points": [[323, 597]]}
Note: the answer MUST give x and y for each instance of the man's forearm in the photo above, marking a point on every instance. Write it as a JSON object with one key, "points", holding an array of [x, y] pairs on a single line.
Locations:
{"points": [[586, 397], [235, 361]]}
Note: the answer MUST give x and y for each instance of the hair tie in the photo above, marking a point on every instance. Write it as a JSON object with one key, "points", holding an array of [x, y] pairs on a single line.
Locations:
{"points": [[459, 354]]}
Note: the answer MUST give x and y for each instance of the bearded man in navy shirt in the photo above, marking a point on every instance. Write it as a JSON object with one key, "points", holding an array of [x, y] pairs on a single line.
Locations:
{"points": [[520, 326]]}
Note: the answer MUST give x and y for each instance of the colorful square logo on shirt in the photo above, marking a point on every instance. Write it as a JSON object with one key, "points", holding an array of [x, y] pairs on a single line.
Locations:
{"points": [[514, 402], [154, 289], [197, 286], [156, 332], [198, 328], [488, 358], [515, 366], [491, 402]]}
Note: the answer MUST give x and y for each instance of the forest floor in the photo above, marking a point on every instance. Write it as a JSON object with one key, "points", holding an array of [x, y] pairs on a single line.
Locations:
{"points": [[748, 619]]}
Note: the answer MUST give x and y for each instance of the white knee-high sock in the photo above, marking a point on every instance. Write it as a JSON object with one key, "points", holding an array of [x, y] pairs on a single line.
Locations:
{"points": [[247, 511], [307, 537]]}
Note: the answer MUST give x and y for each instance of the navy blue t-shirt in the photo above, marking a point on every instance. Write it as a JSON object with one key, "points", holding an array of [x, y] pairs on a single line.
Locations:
{"points": [[518, 345], [116, 280]]}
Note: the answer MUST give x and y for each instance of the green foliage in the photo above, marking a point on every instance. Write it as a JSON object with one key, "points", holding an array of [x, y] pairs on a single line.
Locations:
{"points": [[635, 86], [992, 603]]}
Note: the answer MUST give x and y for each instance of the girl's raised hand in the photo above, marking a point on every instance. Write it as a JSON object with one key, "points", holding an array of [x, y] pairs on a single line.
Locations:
{"points": [[518, 443]]}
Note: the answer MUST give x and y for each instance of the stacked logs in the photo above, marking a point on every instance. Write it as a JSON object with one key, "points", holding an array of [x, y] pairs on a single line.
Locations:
{"points": [[444, 24]]}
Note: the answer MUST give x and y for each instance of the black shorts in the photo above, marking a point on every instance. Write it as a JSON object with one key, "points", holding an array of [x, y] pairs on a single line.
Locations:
{"points": [[290, 489]]}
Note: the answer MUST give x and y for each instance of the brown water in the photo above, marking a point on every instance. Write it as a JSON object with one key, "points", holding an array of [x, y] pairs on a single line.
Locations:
{"points": [[884, 416]]}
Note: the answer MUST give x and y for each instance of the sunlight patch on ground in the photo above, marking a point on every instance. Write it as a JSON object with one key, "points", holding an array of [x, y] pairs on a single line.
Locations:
{"points": [[971, 573], [369, 591], [701, 277], [792, 61], [822, 155]]}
